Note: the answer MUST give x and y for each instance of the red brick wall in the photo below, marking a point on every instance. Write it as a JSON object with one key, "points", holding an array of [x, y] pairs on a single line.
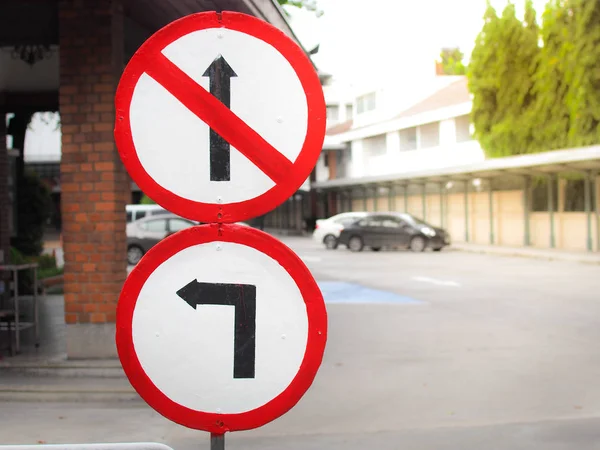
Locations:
{"points": [[4, 205], [94, 182]]}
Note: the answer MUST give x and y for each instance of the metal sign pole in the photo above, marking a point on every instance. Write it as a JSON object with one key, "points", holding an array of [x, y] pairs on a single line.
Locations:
{"points": [[217, 441]]}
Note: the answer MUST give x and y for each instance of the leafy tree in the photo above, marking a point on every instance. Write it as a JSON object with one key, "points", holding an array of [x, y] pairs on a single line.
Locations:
{"points": [[451, 60], [309, 5], [145, 200], [502, 81], [34, 209], [483, 81], [582, 73], [516, 65], [550, 118]]}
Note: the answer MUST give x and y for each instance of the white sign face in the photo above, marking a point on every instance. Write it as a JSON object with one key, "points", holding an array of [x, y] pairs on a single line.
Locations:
{"points": [[188, 352], [219, 118], [221, 328], [174, 145]]}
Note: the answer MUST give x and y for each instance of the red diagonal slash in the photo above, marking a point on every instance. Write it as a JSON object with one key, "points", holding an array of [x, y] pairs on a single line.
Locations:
{"points": [[218, 117]]}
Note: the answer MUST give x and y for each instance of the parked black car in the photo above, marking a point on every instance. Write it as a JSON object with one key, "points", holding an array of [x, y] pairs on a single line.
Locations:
{"points": [[397, 230]]}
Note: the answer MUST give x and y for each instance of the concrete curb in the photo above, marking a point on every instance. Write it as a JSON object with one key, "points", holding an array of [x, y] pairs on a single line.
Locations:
{"points": [[547, 256], [65, 369], [55, 387], [49, 395]]}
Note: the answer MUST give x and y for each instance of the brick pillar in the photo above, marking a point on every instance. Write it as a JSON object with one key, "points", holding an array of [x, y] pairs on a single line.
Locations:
{"points": [[4, 198], [93, 179]]}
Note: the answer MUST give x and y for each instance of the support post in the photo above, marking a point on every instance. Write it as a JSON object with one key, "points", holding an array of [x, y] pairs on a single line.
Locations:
{"points": [[217, 441], [392, 197], [597, 206], [491, 205], [587, 198], [364, 191], [350, 203], [441, 186], [551, 181], [526, 208], [299, 201], [467, 210], [292, 212], [406, 198], [375, 198], [424, 200], [95, 186]]}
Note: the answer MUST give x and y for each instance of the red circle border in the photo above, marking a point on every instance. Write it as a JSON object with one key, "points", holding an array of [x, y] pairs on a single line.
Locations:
{"points": [[208, 421], [302, 166]]}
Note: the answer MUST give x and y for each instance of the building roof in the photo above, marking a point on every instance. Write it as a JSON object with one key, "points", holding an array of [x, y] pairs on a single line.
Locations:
{"points": [[339, 128], [451, 95], [577, 159], [450, 100]]}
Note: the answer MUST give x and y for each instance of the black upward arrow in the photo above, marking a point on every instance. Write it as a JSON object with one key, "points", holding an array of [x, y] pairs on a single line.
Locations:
{"points": [[219, 73], [243, 298]]}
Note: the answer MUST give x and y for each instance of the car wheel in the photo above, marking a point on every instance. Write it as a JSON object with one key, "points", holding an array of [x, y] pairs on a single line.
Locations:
{"points": [[375, 249], [330, 242], [134, 254], [418, 244], [356, 244]]}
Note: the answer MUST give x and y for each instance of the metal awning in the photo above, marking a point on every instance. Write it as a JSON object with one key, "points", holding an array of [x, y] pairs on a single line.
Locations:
{"points": [[568, 160]]}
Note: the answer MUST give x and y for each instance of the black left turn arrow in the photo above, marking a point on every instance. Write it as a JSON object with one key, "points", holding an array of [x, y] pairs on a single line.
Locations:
{"points": [[219, 73], [243, 298]]}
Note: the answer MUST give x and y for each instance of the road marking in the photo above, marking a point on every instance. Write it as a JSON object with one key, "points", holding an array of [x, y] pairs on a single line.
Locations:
{"points": [[437, 282], [345, 292]]}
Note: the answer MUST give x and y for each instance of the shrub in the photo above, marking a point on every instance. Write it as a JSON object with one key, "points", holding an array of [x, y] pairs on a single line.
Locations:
{"points": [[34, 206]]}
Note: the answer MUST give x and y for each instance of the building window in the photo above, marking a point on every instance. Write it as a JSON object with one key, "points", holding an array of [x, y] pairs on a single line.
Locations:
{"points": [[575, 196], [408, 139], [429, 135], [463, 128], [333, 112], [539, 195], [348, 111], [375, 145], [365, 103]]}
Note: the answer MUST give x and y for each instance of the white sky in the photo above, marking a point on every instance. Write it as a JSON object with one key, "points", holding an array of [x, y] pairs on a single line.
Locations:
{"points": [[359, 37]]}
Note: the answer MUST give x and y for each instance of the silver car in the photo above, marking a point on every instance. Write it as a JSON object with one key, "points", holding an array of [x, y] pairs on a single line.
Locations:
{"points": [[143, 234]]}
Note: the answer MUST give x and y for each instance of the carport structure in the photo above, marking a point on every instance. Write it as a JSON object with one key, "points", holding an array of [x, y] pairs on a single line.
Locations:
{"points": [[68, 56], [474, 200]]}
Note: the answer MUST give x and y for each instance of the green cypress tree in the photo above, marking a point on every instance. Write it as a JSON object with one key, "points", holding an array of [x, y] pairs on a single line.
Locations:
{"points": [[582, 74], [550, 124], [483, 82], [501, 81], [517, 58]]}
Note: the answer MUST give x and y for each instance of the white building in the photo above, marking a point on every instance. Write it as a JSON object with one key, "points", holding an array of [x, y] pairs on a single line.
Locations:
{"points": [[398, 129]]}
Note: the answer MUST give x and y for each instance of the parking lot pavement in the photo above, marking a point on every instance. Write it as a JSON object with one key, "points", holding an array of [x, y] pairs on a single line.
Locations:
{"points": [[429, 350]]}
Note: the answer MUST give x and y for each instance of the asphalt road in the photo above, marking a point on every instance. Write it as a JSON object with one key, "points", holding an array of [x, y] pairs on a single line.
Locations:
{"points": [[436, 351]]}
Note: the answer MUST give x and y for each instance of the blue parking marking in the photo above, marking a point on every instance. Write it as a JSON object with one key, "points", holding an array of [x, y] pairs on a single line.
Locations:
{"points": [[343, 292]]}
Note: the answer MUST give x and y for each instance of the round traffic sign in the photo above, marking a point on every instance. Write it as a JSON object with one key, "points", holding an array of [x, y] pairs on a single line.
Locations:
{"points": [[219, 117], [221, 328]]}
